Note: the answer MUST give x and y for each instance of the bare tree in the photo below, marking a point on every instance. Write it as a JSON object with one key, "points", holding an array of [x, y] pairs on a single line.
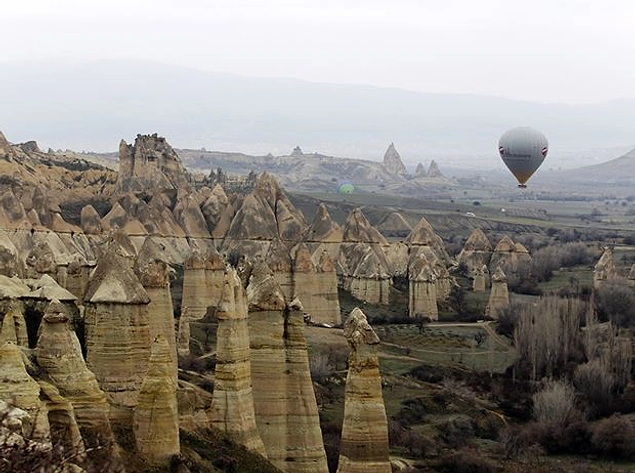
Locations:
{"points": [[547, 334]]}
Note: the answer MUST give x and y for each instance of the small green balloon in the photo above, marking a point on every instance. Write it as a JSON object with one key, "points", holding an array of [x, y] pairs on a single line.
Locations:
{"points": [[347, 188]]}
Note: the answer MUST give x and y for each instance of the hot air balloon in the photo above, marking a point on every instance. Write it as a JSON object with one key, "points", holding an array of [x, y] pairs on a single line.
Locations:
{"points": [[347, 188], [523, 150]]}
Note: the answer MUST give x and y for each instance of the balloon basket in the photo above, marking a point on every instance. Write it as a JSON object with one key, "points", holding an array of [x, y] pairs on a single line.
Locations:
{"points": [[522, 186]]}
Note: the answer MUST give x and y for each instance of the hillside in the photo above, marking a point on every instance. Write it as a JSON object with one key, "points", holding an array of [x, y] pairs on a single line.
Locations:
{"points": [[622, 167], [315, 172]]}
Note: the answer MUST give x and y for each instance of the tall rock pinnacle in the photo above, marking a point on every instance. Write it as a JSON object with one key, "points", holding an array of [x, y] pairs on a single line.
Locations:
{"points": [[364, 446], [392, 161], [233, 404]]}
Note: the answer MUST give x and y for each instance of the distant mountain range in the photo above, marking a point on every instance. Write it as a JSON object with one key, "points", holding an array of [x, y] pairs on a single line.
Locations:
{"points": [[91, 105]]}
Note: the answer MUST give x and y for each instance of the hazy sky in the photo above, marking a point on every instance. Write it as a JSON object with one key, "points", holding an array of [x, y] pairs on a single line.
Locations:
{"points": [[542, 50]]}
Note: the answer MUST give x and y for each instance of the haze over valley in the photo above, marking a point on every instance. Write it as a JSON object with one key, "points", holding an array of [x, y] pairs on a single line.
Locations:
{"points": [[89, 105]]}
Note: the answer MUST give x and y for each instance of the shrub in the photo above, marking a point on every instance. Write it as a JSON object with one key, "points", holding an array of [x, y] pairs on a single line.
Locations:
{"points": [[554, 404], [456, 432], [559, 425], [616, 302], [465, 461], [613, 437], [319, 366], [417, 445], [521, 441], [596, 383]]}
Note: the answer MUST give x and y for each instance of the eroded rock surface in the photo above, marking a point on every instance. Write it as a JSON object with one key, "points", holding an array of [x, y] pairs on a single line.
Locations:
{"points": [[604, 269], [232, 408], [19, 389], [156, 417], [284, 401], [117, 327], [477, 251], [150, 164], [392, 161], [59, 354], [499, 294]]}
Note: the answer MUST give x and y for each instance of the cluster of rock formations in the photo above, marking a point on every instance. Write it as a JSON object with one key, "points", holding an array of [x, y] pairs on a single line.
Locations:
{"points": [[490, 266], [89, 339], [393, 164]]}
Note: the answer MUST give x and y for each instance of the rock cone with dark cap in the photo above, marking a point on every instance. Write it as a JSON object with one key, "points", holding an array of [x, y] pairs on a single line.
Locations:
{"points": [[364, 446]]}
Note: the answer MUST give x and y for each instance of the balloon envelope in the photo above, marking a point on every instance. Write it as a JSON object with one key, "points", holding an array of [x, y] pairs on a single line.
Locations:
{"points": [[523, 150], [347, 188]]}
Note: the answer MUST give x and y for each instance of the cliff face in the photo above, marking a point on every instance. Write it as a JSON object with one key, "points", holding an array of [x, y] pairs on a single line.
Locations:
{"points": [[264, 215], [364, 446], [285, 405], [266, 334], [324, 233], [65, 177], [13, 328], [279, 260], [423, 235], [218, 212], [232, 408], [424, 243]]}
